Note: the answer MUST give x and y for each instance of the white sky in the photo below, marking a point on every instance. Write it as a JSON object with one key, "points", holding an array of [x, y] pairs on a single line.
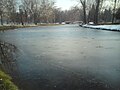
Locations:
{"points": [[65, 4]]}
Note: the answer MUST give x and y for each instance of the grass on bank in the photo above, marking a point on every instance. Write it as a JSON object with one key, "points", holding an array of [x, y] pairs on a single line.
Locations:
{"points": [[12, 27], [2, 28], [6, 82]]}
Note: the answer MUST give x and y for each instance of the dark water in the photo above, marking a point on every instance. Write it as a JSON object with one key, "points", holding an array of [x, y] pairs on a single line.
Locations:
{"points": [[63, 58]]}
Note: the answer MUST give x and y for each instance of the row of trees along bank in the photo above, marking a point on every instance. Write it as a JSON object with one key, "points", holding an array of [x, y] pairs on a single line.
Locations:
{"points": [[100, 10], [29, 11], [44, 11]]}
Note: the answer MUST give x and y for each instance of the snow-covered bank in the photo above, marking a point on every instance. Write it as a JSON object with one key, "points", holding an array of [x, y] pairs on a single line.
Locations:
{"points": [[103, 27]]}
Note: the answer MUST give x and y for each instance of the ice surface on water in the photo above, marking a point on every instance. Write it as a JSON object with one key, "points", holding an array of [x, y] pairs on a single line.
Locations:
{"points": [[67, 58]]}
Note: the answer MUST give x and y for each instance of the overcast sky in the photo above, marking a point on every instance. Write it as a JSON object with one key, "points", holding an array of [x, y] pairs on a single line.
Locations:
{"points": [[65, 4]]}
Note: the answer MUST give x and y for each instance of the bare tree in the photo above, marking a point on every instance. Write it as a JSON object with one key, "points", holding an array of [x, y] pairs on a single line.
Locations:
{"points": [[97, 11], [2, 9], [31, 9], [21, 14], [83, 3], [86, 6], [48, 14], [118, 14], [91, 14], [11, 10], [114, 10]]}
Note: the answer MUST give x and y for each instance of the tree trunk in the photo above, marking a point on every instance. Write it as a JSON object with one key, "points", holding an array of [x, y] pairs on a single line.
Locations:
{"points": [[84, 12], [35, 18], [22, 20], [1, 19], [26, 17], [114, 9], [97, 12]]}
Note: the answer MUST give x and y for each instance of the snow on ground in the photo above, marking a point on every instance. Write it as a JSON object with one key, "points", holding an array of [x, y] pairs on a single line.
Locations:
{"points": [[103, 27]]}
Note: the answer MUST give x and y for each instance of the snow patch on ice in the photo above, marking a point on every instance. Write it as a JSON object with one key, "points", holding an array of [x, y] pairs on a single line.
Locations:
{"points": [[103, 27]]}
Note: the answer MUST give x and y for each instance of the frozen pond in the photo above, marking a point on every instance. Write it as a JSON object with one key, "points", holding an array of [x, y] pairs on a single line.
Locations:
{"points": [[65, 57]]}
